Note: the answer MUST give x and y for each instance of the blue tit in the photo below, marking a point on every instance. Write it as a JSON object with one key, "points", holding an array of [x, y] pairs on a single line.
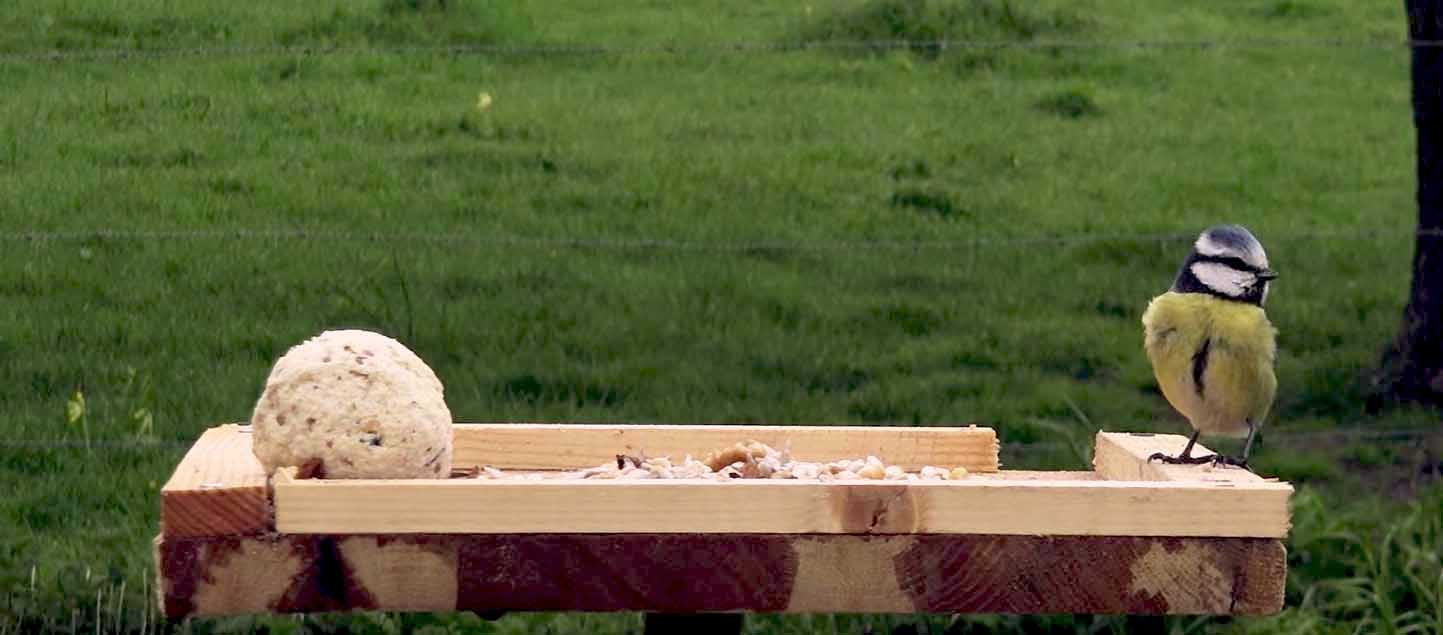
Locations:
{"points": [[1211, 345]]}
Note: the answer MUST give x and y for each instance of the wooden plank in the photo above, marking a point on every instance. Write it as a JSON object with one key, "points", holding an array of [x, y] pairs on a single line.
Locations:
{"points": [[974, 505], [538, 446], [226, 575], [688, 573], [219, 488], [1123, 456]]}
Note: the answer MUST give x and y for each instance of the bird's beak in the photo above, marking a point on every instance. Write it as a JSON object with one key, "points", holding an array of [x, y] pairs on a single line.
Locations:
{"points": [[1267, 274]]}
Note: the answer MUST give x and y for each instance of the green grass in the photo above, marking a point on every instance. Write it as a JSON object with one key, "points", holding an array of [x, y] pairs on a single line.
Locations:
{"points": [[693, 234]]}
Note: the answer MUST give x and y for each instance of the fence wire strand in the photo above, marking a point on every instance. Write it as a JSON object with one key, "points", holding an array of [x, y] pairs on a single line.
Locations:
{"points": [[709, 48], [39, 237], [45, 238]]}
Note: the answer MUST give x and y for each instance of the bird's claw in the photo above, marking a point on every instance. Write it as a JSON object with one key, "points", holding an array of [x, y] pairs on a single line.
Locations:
{"points": [[1215, 459], [1219, 459], [1179, 460]]}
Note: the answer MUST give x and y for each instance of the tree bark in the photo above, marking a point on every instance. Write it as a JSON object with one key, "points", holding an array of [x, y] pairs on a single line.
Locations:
{"points": [[1412, 368]]}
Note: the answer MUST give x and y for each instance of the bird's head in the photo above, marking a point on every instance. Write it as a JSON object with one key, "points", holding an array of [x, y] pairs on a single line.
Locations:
{"points": [[1226, 261]]}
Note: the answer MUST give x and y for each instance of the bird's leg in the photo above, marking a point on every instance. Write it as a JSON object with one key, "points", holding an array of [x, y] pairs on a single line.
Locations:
{"points": [[1186, 458], [1248, 445], [1247, 448]]}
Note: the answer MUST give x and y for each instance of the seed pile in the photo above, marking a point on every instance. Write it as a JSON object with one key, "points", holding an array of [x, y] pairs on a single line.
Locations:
{"points": [[748, 460]]}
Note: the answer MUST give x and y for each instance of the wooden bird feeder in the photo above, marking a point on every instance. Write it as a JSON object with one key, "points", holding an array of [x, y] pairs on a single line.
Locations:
{"points": [[1128, 536]]}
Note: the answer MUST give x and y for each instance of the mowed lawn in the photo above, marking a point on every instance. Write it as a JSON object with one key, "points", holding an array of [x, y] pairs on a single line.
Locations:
{"points": [[674, 214]]}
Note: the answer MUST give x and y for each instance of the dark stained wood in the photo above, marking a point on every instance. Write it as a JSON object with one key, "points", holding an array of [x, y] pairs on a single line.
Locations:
{"points": [[697, 573], [673, 573], [1037, 574], [229, 575]]}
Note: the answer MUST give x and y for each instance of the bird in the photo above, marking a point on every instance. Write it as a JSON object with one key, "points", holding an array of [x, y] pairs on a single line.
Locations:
{"points": [[1211, 345]]}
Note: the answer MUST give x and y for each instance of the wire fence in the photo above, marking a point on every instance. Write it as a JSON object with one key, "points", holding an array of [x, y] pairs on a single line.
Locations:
{"points": [[45, 238], [41, 237], [709, 48], [563, 50], [1282, 437]]}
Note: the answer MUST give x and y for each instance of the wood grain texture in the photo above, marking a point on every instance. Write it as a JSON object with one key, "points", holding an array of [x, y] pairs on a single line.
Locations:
{"points": [[974, 505], [225, 575], [663, 573], [537, 446], [1123, 456], [1113, 574], [400, 572], [219, 488], [691, 573]]}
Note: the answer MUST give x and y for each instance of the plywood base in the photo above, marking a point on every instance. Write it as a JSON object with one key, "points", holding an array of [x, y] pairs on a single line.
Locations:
{"points": [[688, 573]]}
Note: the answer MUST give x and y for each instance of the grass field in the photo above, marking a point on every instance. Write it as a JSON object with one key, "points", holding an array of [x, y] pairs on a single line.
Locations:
{"points": [[669, 230]]}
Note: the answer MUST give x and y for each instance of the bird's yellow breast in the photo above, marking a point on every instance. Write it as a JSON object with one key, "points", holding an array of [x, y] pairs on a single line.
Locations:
{"points": [[1213, 359]]}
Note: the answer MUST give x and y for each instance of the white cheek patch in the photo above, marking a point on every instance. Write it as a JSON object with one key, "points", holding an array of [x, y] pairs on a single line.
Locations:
{"points": [[1222, 278]]}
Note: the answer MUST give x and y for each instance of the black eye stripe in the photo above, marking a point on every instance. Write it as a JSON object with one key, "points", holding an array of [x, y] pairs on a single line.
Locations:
{"points": [[1231, 261]]}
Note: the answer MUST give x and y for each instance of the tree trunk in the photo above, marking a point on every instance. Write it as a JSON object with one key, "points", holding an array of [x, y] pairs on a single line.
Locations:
{"points": [[1412, 368]]}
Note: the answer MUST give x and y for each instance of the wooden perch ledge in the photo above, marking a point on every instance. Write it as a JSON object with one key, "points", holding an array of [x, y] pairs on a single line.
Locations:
{"points": [[218, 489], [1126, 537]]}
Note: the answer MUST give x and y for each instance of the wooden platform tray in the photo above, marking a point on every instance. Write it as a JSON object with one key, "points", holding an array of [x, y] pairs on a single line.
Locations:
{"points": [[1126, 537]]}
